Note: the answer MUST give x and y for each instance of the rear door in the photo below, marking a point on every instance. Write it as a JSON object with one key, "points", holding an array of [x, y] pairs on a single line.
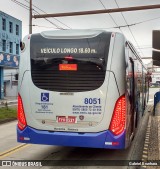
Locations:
{"points": [[130, 94]]}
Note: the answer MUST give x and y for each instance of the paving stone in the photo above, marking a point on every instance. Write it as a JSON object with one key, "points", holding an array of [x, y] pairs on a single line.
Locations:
{"points": [[153, 148]]}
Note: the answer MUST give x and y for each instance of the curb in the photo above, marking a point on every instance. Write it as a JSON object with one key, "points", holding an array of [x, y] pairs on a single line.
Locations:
{"points": [[136, 150], [146, 143], [8, 103], [151, 149], [7, 120]]}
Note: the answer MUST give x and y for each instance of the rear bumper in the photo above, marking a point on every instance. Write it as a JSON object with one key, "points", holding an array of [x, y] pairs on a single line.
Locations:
{"points": [[103, 139]]}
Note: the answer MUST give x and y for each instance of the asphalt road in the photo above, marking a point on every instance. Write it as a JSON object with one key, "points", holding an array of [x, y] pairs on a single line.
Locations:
{"points": [[11, 150]]}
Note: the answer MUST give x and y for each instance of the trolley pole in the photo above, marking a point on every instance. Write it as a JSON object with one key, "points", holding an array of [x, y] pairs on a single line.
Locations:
{"points": [[30, 18]]}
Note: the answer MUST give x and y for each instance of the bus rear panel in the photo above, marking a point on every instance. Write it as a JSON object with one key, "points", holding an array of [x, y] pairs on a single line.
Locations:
{"points": [[72, 89]]}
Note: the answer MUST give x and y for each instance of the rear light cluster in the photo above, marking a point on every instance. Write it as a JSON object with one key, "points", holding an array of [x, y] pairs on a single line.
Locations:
{"points": [[117, 124], [20, 115]]}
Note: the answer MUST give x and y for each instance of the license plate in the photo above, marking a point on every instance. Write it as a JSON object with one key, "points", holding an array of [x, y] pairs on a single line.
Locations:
{"points": [[61, 119], [71, 119], [64, 119]]}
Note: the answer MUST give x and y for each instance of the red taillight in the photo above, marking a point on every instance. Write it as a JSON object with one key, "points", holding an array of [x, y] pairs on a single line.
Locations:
{"points": [[21, 116], [117, 124]]}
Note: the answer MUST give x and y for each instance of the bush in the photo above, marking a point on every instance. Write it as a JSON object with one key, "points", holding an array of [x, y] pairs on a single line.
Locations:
{"points": [[8, 113]]}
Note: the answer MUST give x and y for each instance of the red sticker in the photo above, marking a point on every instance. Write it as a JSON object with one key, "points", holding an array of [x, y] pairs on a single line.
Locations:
{"points": [[61, 119], [71, 119]]}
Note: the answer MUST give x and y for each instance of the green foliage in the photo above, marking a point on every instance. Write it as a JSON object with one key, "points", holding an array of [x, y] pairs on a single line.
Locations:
{"points": [[8, 113]]}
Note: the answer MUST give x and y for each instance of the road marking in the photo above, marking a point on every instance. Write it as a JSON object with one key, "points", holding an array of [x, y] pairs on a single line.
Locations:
{"points": [[145, 152], [13, 150], [145, 148], [145, 156], [145, 145]]}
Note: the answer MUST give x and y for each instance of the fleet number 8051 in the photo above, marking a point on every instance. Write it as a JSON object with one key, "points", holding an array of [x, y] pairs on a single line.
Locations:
{"points": [[92, 101]]}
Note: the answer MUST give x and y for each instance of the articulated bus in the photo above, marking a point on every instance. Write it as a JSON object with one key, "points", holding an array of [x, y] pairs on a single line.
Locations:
{"points": [[81, 88]]}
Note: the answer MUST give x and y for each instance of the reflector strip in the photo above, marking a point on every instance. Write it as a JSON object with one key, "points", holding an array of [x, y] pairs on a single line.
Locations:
{"points": [[112, 143], [26, 138], [108, 143]]}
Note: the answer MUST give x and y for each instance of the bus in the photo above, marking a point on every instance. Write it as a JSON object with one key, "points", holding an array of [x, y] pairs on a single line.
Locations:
{"points": [[81, 88]]}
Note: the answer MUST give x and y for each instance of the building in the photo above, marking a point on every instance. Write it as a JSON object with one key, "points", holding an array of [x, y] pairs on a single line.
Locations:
{"points": [[10, 37], [154, 72], [155, 77]]}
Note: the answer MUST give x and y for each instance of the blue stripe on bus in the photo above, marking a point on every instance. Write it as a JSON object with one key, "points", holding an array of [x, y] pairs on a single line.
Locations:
{"points": [[103, 139]]}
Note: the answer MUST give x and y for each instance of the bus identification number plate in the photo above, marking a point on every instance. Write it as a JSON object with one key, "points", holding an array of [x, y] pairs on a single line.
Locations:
{"points": [[69, 67]]}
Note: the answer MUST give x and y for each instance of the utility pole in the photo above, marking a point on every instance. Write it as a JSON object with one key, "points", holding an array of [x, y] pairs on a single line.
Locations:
{"points": [[30, 18], [135, 8]]}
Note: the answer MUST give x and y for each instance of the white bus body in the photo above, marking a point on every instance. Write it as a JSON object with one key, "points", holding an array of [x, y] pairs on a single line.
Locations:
{"points": [[72, 82]]}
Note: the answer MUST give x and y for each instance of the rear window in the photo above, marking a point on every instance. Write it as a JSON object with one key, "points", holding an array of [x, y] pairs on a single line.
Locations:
{"points": [[69, 65]]}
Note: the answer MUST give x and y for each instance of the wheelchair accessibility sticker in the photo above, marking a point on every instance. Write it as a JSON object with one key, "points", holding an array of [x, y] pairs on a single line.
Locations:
{"points": [[45, 97], [44, 106]]}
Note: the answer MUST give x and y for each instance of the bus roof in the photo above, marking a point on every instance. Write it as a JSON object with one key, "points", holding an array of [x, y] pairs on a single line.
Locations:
{"points": [[72, 33]]}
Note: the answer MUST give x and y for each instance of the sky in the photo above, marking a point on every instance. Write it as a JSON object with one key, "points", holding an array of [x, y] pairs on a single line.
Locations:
{"points": [[139, 34]]}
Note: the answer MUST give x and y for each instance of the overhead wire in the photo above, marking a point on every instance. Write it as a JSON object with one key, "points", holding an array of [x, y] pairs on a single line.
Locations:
{"points": [[129, 28], [21, 4], [27, 8], [133, 24], [127, 25], [117, 26], [148, 20], [46, 13], [121, 26], [58, 27], [43, 26]]}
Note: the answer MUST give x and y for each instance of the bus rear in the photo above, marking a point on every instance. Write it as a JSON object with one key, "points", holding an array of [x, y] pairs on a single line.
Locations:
{"points": [[68, 94]]}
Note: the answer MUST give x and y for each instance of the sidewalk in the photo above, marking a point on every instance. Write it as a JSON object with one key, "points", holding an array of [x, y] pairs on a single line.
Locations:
{"points": [[10, 101], [9, 98], [152, 141]]}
